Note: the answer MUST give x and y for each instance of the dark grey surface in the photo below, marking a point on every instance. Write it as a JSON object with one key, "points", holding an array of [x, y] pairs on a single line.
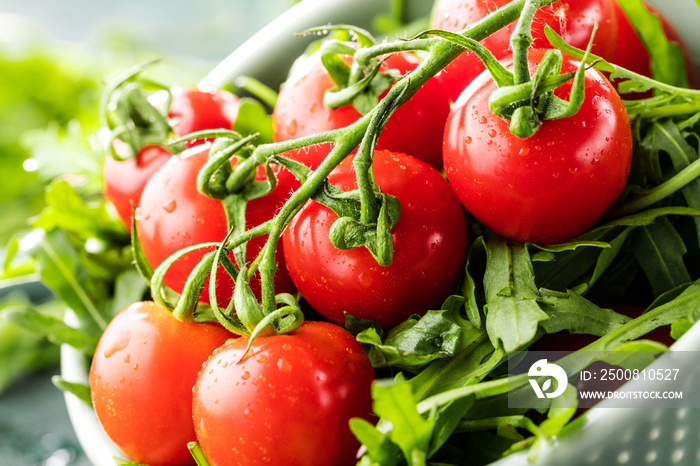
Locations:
{"points": [[34, 425]]}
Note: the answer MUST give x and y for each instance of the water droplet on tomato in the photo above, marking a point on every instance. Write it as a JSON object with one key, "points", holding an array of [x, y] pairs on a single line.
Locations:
{"points": [[292, 128], [524, 151], [468, 140], [127, 358], [245, 375], [492, 133], [284, 365], [261, 358], [483, 120], [170, 207], [118, 345]]}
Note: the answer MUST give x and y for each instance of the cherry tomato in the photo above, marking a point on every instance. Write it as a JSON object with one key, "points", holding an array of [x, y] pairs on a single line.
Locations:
{"points": [[141, 381], [573, 20], [288, 402], [124, 180], [430, 244], [415, 128], [173, 215], [631, 53], [190, 110], [311, 156], [194, 110], [547, 188]]}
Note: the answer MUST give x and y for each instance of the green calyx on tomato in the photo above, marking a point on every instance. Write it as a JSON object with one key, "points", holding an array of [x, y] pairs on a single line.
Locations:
{"points": [[358, 84], [523, 99], [216, 179], [131, 118]]}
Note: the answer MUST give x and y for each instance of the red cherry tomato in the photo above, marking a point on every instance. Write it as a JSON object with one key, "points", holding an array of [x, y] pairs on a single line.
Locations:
{"points": [[430, 244], [194, 110], [415, 128], [573, 20], [124, 180], [141, 381], [631, 53], [173, 215], [288, 402], [311, 156], [190, 110], [547, 188]]}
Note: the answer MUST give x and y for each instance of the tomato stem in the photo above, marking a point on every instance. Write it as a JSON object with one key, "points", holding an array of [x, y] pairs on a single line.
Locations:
{"points": [[441, 53], [197, 454], [657, 193], [521, 40]]}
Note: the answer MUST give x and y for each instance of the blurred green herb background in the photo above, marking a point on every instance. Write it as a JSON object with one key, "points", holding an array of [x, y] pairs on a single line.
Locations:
{"points": [[55, 58]]}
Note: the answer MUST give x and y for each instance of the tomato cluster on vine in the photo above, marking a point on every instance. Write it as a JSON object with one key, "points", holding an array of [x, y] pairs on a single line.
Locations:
{"points": [[382, 236]]}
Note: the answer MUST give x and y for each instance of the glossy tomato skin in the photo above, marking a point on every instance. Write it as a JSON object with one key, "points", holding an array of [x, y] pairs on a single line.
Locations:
{"points": [[547, 188], [430, 244], [415, 128], [288, 402], [173, 215], [141, 381], [124, 180], [631, 53], [194, 110], [190, 110], [572, 19]]}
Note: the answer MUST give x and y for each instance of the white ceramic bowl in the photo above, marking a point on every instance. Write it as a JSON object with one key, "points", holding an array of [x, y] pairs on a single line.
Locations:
{"points": [[267, 56]]}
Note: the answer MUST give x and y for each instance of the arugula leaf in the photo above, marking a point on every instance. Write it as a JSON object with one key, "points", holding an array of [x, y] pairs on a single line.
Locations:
{"points": [[415, 342], [66, 210], [474, 361], [560, 412], [512, 309], [636, 354], [581, 268], [22, 351], [381, 451], [394, 403], [253, 118], [60, 268], [50, 327], [659, 249], [82, 391], [667, 60], [469, 289], [664, 137], [570, 311], [679, 328], [129, 288]]}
